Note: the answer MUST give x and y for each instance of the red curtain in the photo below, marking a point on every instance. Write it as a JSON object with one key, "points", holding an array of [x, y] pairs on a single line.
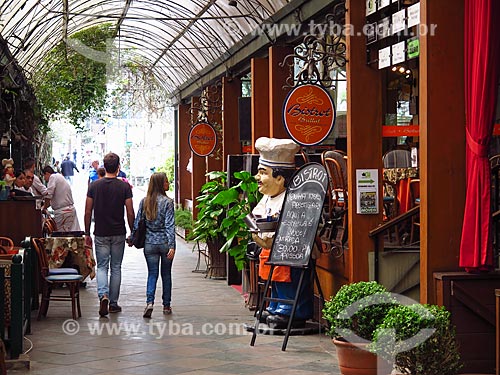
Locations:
{"points": [[482, 35]]}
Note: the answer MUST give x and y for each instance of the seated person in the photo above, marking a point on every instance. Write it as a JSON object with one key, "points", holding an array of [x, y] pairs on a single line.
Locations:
{"points": [[18, 186]]}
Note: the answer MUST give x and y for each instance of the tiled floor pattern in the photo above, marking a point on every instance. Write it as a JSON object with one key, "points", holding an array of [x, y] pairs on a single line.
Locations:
{"points": [[204, 335]]}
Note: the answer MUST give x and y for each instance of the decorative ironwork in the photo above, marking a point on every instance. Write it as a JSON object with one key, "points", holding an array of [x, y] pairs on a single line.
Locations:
{"points": [[319, 53], [210, 102]]}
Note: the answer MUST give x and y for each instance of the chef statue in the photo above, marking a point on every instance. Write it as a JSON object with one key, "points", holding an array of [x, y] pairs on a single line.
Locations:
{"points": [[276, 166], [8, 174]]}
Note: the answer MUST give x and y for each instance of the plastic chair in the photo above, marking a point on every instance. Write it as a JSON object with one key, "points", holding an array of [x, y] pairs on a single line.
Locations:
{"points": [[48, 282]]}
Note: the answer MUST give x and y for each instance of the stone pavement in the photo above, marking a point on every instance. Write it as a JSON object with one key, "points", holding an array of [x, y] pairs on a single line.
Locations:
{"points": [[204, 335]]}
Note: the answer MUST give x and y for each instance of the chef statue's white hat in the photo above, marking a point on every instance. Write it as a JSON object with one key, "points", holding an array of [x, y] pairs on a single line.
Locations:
{"points": [[7, 163], [276, 153]]}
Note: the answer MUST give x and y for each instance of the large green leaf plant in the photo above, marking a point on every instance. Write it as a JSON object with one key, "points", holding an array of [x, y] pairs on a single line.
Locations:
{"points": [[222, 210]]}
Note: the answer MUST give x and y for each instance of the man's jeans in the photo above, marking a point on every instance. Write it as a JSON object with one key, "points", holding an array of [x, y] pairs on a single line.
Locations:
{"points": [[109, 251]]}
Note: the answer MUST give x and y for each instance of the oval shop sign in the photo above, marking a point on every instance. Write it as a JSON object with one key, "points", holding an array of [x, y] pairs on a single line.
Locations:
{"points": [[202, 139], [309, 114]]}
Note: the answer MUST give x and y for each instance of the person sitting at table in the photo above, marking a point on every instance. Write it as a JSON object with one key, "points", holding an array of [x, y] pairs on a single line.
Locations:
{"points": [[59, 196], [19, 183]]}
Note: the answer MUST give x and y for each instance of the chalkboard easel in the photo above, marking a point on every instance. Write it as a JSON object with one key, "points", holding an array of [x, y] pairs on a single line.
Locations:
{"points": [[295, 234]]}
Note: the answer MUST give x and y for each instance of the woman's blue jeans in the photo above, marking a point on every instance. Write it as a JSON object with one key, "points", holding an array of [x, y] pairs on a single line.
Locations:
{"points": [[154, 255]]}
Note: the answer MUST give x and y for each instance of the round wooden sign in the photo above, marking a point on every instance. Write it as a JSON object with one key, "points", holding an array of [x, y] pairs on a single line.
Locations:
{"points": [[309, 114], [202, 139]]}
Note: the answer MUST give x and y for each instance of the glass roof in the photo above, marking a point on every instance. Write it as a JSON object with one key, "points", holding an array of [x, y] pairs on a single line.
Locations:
{"points": [[177, 38]]}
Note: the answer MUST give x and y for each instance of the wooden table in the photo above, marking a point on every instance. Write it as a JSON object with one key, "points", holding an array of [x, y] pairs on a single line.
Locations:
{"points": [[70, 251]]}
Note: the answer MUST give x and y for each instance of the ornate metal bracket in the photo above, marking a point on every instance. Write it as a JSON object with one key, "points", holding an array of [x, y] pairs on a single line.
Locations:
{"points": [[319, 53], [210, 102]]}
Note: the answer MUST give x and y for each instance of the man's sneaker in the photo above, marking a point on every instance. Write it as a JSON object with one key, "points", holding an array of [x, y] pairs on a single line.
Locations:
{"points": [[103, 306], [148, 311], [115, 309], [167, 310]]}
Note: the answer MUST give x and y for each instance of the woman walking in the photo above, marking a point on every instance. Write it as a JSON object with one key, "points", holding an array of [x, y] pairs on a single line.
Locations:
{"points": [[158, 211]]}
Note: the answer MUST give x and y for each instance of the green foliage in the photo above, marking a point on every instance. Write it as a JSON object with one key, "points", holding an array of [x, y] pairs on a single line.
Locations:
{"points": [[183, 218], [168, 169], [374, 302], [222, 210], [437, 355], [70, 85]]}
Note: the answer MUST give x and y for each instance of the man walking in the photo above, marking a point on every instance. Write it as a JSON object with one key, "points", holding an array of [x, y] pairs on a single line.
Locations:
{"points": [[106, 197], [67, 167]]}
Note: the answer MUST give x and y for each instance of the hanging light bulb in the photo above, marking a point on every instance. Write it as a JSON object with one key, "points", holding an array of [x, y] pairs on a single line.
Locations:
{"points": [[401, 69]]}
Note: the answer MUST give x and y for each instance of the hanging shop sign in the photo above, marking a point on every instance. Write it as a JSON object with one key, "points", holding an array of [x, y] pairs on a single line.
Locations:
{"points": [[309, 114], [202, 139]]}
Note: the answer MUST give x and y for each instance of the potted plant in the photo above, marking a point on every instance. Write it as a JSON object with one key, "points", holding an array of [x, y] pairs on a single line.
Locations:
{"points": [[220, 218], [397, 340], [353, 315], [183, 222]]}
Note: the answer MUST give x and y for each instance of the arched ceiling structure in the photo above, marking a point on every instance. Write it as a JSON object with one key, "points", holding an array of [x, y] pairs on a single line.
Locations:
{"points": [[177, 38]]}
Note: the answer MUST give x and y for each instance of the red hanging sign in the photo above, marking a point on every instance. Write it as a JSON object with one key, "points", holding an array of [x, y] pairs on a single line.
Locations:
{"points": [[309, 114], [202, 139]]}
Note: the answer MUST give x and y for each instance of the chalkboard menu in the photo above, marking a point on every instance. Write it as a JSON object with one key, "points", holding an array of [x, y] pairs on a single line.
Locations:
{"points": [[299, 218]]}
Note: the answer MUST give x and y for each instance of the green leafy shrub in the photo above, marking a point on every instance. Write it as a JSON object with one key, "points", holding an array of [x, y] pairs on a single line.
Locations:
{"points": [[371, 302], [438, 354], [221, 213], [183, 218]]}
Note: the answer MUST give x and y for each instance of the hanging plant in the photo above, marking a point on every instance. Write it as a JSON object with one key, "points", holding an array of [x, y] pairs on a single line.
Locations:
{"points": [[70, 85]]}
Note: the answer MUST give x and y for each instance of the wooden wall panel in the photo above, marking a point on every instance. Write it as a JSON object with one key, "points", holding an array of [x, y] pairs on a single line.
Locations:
{"points": [[183, 183], [364, 136], [260, 99], [231, 91], [442, 140]]}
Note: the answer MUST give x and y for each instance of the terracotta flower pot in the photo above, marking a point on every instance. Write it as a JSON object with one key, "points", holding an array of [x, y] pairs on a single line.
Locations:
{"points": [[354, 360]]}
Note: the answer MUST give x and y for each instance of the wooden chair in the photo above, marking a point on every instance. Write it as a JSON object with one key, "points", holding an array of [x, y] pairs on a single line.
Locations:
{"points": [[6, 245], [397, 159], [40, 246], [391, 206], [49, 226], [415, 201], [333, 235], [337, 182], [48, 282]]}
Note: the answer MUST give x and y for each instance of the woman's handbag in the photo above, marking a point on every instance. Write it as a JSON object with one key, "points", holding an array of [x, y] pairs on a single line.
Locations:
{"points": [[139, 238]]}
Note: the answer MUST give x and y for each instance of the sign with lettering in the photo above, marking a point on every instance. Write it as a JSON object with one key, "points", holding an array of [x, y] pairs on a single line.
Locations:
{"points": [[202, 139], [309, 114], [299, 218], [367, 189]]}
